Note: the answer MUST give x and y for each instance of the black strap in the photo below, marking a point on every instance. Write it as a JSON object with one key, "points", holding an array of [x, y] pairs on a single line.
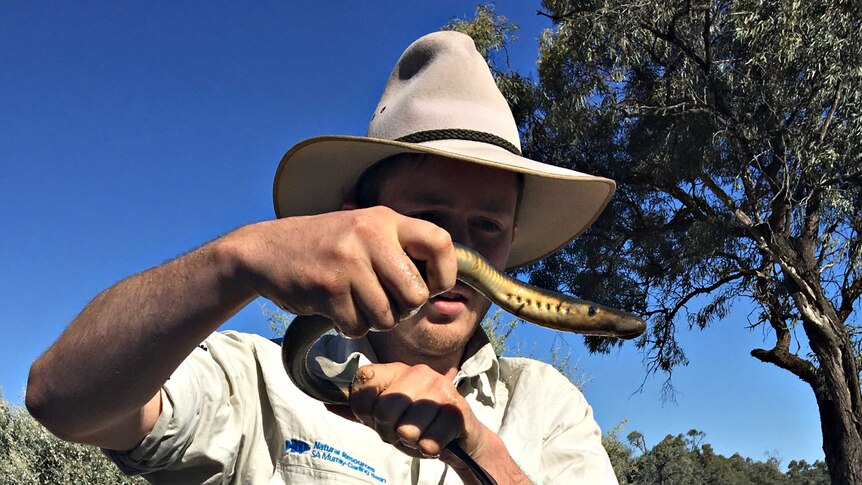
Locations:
{"points": [[460, 134]]}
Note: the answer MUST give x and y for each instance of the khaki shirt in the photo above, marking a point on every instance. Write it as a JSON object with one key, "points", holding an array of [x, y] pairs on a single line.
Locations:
{"points": [[231, 415]]}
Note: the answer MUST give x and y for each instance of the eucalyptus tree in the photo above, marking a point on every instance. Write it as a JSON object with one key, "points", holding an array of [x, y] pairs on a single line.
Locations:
{"points": [[734, 129], [734, 132]]}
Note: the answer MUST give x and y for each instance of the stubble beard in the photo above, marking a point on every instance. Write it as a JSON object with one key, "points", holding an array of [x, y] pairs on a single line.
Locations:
{"points": [[422, 339]]}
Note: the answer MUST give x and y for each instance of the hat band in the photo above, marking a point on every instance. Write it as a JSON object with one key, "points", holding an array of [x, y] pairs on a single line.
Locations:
{"points": [[460, 134]]}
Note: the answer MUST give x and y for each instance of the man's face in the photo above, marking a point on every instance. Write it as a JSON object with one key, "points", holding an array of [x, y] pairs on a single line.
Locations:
{"points": [[476, 205]]}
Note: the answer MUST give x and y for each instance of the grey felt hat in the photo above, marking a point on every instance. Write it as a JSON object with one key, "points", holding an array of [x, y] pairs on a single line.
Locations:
{"points": [[441, 99]]}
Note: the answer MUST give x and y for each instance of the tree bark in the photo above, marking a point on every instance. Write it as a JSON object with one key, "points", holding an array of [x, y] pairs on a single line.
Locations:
{"points": [[840, 404], [835, 381], [836, 388]]}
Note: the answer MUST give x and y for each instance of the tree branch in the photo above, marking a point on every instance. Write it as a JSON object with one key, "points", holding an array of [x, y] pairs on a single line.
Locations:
{"points": [[782, 358], [840, 180], [707, 40], [751, 195], [849, 295], [706, 290], [828, 120], [683, 107], [811, 224], [729, 203], [763, 243], [826, 243], [693, 203], [671, 38], [780, 355], [560, 17], [815, 88]]}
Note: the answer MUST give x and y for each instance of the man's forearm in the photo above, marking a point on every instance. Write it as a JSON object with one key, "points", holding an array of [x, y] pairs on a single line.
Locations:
{"points": [[125, 344], [494, 457]]}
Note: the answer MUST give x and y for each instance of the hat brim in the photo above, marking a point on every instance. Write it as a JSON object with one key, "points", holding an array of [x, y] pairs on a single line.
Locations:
{"points": [[557, 204]]}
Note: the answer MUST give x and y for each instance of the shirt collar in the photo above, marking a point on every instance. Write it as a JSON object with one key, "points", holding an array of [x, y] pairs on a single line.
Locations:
{"points": [[480, 369]]}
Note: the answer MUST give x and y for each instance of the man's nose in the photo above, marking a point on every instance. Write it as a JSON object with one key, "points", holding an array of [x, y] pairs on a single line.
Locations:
{"points": [[459, 232]]}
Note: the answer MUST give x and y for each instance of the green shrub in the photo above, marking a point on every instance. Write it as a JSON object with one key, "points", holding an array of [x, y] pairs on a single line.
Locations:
{"points": [[29, 454]]}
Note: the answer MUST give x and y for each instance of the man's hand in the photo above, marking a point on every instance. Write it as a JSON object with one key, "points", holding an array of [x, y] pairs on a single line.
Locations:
{"points": [[415, 408], [420, 412], [353, 267]]}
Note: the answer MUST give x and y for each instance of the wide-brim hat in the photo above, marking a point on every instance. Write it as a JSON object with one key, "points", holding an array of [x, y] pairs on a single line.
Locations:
{"points": [[441, 99]]}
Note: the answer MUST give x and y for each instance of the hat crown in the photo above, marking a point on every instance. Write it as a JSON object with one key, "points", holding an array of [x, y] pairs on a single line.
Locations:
{"points": [[441, 82], [441, 100]]}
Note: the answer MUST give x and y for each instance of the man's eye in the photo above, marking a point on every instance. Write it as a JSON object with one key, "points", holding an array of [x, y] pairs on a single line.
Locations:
{"points": [[488, 225]]}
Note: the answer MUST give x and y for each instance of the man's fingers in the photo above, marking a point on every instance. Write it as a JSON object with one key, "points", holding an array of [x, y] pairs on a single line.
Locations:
{"points": [[364, 391], [378, 309], [349, 322], [445, 428], [385, 284], [370, 382], [426, 242], [387, 413], [415, 420], [401, 280], [384, 396], [367, 306]]}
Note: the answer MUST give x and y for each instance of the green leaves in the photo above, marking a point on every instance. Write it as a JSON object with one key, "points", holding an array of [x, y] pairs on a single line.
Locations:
{"points": [[687, 458], [490, 31], [733, 130], [729, 127], [30, 454]]}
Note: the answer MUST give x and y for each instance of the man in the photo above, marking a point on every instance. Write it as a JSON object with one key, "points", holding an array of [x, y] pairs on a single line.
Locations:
{"points": [[131, 375]]}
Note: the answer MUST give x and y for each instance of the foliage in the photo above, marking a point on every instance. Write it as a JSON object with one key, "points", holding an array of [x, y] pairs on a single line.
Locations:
{"points": [[491, 32], [277, 320], [620, 453], [804, 473], [29, 454], [687, 459], [735, 145], [733, 130], [499, 332]]}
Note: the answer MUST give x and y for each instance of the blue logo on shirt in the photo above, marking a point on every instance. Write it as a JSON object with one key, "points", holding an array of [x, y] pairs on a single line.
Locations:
{"points": [[325, 452], [296, 446]]}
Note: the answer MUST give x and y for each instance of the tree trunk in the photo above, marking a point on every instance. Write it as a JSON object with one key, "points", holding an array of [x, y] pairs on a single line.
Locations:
{"points": [[839, 400], [835, 381]]}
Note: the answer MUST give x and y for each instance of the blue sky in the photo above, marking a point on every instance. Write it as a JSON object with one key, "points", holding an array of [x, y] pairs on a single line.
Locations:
{"points": [[133, 133]]}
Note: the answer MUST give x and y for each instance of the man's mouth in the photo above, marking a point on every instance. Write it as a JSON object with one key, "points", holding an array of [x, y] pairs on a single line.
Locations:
{"points": [[452, 303], [459, 293]]}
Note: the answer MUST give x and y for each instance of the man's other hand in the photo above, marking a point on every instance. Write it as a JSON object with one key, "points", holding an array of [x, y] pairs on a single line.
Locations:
{"points": [[417, 410]]}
